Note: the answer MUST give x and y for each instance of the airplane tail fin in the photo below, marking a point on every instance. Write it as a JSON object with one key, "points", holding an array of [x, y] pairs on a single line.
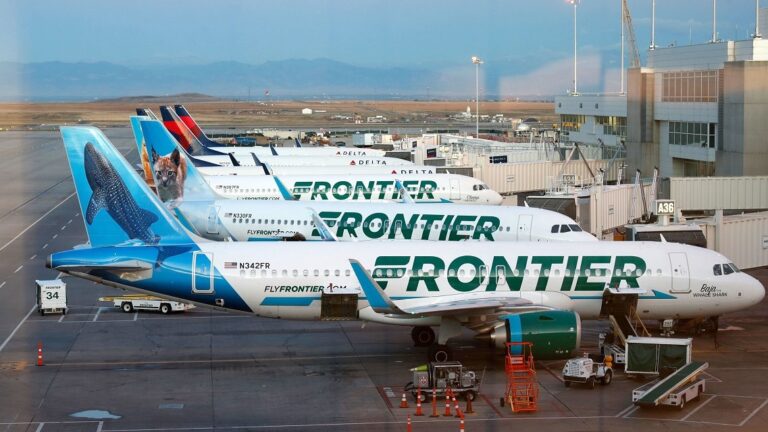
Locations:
{"points": [[190, 122], [146, 112], [176, 179], [182, 134], [141, 146], [117, 205], [298, 143]]}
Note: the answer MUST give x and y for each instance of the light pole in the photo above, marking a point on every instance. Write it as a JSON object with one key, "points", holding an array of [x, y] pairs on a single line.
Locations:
{"points": [[575, 3], [477, 62]]}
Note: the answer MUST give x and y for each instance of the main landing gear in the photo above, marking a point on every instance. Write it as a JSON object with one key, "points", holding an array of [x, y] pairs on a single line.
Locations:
{"points": [[424, 336]]}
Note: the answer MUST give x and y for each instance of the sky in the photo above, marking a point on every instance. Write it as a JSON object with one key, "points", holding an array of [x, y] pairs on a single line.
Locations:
{"points": [[428, 33]]}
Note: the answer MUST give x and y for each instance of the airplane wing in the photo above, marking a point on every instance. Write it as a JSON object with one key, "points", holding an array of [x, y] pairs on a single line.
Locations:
{"points": [[486, 303]]}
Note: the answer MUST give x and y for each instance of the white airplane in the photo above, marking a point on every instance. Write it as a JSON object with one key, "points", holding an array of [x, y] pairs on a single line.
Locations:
{"points": [[507, 291], [181, 114], [342, 185], [192, 144], [209, 216]]}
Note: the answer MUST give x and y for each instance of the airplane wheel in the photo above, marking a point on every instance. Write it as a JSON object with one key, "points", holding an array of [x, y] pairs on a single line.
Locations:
{"points": [[440, 353], [423, 336]]}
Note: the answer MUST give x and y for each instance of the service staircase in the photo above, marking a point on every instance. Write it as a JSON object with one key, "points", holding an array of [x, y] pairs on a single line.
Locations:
{"points": [[621, 311], [522, 388]]}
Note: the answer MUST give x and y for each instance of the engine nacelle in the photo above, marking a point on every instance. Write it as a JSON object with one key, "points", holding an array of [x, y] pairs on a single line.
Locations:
{"points": [[555, 335]]}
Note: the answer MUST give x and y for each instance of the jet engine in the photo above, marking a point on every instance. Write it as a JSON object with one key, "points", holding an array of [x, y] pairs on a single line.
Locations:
{"points": [[555, 335]]}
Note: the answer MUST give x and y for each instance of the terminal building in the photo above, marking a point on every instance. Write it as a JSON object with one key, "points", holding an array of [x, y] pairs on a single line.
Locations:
{"points": [[693, 111]]}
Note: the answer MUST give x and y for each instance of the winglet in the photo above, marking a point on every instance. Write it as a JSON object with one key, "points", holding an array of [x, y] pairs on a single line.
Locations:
{"points": [[404, 195], [322, 227], [379, 301], [662, 239], [298, 143], [286, 194], [233, 159], [272, 149]]}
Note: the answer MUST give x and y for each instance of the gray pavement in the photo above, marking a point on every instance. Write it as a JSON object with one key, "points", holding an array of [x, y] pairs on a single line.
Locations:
{"points": [[208, 370]]}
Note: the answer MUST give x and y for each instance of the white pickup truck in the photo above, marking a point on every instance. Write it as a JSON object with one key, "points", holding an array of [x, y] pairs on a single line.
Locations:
{"points": [[130, 303]]}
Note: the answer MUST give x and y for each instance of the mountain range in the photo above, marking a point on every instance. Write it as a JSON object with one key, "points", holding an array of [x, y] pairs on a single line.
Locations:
{"points": [[283, 79]]}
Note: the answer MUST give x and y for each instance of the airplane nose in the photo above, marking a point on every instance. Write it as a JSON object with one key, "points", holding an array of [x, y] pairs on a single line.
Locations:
{"points": [[755, 292], [495, 198]]}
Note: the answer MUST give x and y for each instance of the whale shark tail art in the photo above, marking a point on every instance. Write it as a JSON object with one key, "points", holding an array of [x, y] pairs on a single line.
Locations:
{"points": [[117, 205]]}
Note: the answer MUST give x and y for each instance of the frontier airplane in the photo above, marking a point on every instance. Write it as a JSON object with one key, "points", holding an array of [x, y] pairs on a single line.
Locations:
{"points": [[508, 291], [211, 217]]}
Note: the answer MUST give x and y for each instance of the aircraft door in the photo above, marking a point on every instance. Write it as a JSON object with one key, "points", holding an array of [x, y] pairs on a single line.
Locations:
{"points": [[202, 273], [213, 220], [681, 280], [455, 189], [524, 227]]}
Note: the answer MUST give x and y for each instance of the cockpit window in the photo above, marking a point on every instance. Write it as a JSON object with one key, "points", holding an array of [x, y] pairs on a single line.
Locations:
{"points": [[727, 269], [716, 269], [479, 187], [733, 266], [575, 228], [564, 229], [555, 228]]}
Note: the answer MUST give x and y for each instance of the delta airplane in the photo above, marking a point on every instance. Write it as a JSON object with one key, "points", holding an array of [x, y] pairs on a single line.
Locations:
{"points": [[445, 188], [508, 291], [190, 142], [328, 183], [240, 151], [208, 216]]}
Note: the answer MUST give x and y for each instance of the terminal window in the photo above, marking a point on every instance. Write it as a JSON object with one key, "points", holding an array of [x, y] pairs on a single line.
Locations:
{"points": [[694, 86], [613, 125], [695, 134], [571, 122]]}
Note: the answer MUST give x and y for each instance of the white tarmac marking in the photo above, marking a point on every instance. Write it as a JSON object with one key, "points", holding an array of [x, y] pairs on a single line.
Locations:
{"points": [[624, 411], [136, 315], [98, 312], [3, 284], [10, 336], [45, 245], [70, 221], [35, 222], [63, 227], [62, 318], [693, 411], [40, 427], [54, 236], [20, 267], [762, 405], [33, 257]]}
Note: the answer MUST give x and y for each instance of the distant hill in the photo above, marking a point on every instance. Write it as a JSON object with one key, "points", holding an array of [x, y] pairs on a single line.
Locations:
{"points": [[284, 79], [177, 98]]}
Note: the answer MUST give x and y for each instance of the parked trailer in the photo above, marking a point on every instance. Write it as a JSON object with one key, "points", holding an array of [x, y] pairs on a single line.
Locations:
{"points": [[51, 296], [130, 303], [656, 355]]}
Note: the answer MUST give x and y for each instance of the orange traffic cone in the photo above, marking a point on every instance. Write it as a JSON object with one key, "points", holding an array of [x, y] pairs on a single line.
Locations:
{"points": [[459, 414], [418, 402], [469, 409], [39, 353], [434, 403], [409, 428], [447, 405], [461, 425], [403, 402]]}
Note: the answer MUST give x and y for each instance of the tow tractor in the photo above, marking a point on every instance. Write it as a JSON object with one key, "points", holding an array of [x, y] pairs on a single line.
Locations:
{"points": [[588, 370], [441, 376], [132, 302]]}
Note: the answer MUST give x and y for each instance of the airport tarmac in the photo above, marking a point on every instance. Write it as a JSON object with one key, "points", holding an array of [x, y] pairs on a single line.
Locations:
{"points": [[208, 370]]}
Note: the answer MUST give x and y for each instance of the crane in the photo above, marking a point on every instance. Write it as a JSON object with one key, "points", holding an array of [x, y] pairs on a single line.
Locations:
{"points": [[627, 19]]}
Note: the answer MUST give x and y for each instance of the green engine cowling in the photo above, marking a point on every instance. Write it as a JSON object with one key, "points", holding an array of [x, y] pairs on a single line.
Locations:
{"points": [[555, 335]]}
